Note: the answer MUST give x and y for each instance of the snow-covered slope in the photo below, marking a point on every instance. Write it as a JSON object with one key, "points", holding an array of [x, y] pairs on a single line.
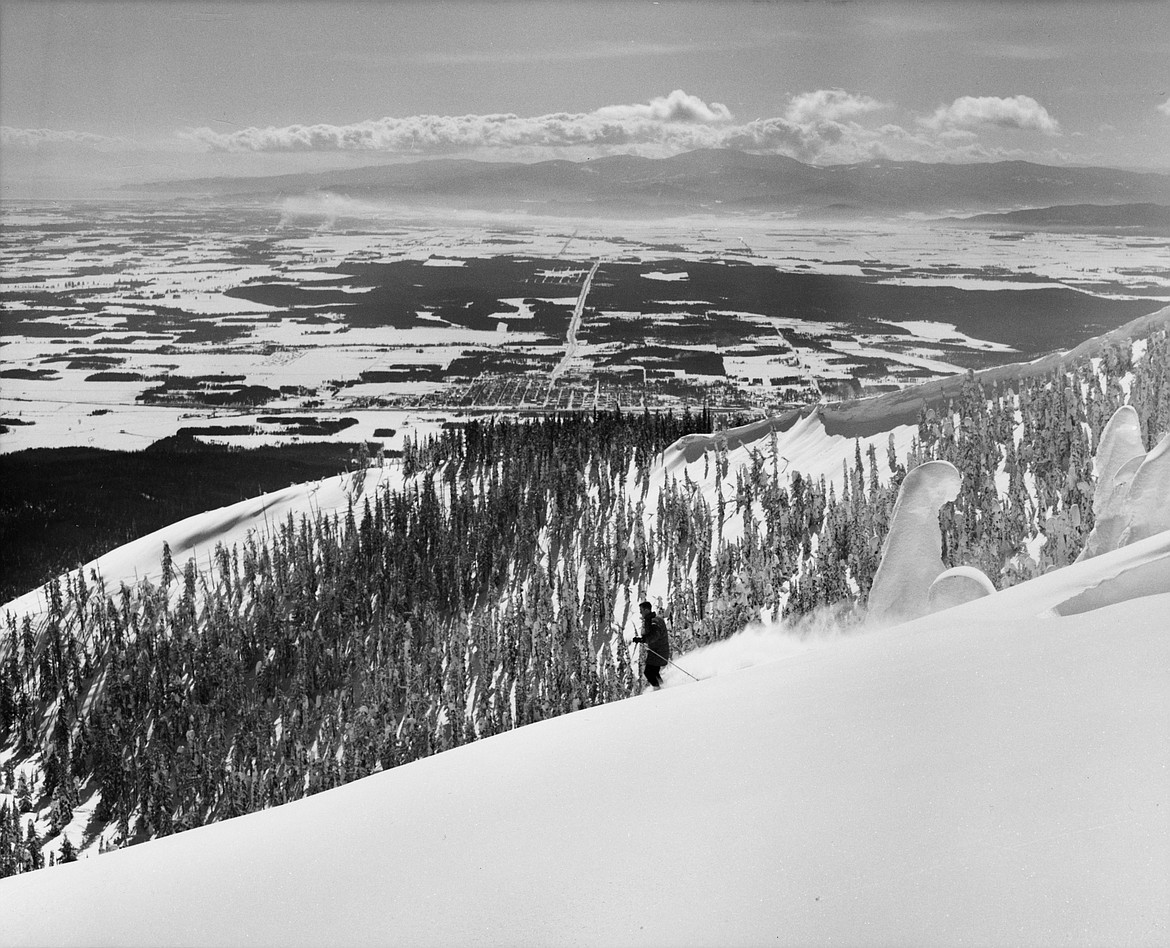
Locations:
{"points": [[198, 536], [994, 774], [801, 441]]}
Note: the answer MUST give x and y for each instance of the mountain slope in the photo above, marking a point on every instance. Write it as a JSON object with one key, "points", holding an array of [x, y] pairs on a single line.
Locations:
{"points": [[488, 587], [707, 180], [1139, 217], [815, 443], [995, 774], [274, 673], [197, 536]]}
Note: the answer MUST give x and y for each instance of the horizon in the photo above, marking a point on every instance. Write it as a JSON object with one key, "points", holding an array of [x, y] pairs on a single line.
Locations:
{"points": [[141, 190], [97, 95], [418, 160]]}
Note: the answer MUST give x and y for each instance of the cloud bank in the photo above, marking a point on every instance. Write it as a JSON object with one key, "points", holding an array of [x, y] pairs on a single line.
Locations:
{"points": [[39, 139], [1164, 108], [829, 105], [677, 119], [824, 125], [972, 112]]}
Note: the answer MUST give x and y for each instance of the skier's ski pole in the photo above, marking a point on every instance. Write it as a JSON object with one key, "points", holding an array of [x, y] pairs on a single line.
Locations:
{"points": [[668, 661], [679, 667]]}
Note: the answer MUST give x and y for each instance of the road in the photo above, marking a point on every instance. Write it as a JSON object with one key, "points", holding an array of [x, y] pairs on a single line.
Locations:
{"points": [[574, 325]]}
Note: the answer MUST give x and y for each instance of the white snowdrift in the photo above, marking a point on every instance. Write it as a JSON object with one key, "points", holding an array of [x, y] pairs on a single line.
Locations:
{"points": [[912, 553], [1120, 442], [997, 773], [802, 444], [1146, 502], [957, 585], [1129, 502]]}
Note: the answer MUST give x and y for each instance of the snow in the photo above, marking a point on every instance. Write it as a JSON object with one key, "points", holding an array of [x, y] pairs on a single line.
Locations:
{"points": [[972, 283], [916, 357], [1146, 502], [996, 773], [802, 445], [1121, 442], [946, 332], [196, 275], [957, 585], [199, 535], [993, 774], [911, 579], [911, 556], [1120, 453], [1129, 501], [768, 368]]}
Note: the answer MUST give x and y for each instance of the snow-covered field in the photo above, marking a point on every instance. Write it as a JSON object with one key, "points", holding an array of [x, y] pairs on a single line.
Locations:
{"points": [[317, 359], [842, 247], [995, 774]]}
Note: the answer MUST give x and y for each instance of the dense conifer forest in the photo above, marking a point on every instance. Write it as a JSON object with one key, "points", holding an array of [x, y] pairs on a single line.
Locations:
{"points": [[492, 590], [60, 507]]}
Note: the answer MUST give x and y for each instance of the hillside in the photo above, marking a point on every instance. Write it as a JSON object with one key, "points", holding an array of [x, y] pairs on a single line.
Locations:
{"points": [[708, 181], [64, 506], [858, 418], [995, 774], [1134, 218]]}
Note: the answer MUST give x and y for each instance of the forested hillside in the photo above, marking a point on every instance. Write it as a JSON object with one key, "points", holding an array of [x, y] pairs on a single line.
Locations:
{"points": [[64, 506], [491, 589]]}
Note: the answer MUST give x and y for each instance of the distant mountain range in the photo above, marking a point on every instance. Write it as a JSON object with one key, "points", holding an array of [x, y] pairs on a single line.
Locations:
{"points": [[703, 181], [1141, 217]]}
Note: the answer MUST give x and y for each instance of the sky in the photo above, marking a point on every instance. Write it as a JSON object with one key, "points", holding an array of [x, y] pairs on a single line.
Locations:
{"points": [[96, 94]]}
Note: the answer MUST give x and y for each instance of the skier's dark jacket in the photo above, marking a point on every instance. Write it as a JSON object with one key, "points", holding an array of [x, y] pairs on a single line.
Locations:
{"points": [[656, 640]]}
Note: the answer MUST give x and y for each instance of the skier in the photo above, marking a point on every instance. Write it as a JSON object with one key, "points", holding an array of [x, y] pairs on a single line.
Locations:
{"points": [[657, 641]]}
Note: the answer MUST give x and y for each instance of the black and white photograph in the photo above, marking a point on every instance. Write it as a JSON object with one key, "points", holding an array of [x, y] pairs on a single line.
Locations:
{"points": [[584, 472]]}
